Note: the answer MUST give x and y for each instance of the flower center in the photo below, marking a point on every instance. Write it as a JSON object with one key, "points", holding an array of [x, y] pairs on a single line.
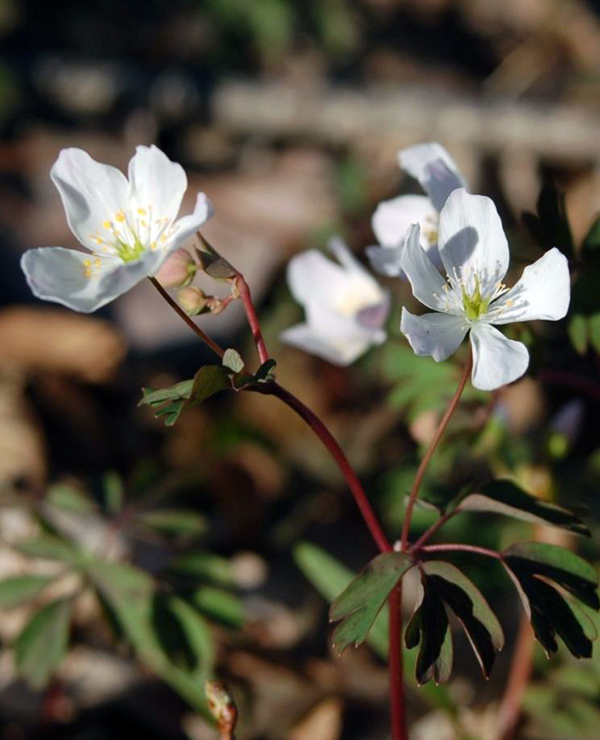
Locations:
{"points": [[128, 237], [475, 305], [429, 229]]}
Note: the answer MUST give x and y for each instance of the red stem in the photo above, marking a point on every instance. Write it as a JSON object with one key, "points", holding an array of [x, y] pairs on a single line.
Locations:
{"points": [[313, 421], [428, 534], [396, 667], [463, 548], [244, 292], [520, 672], [429, 454]]}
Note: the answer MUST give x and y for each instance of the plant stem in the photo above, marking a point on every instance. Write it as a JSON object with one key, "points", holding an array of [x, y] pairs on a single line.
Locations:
{"points": [[336, 452], [432, 447], [244, 292], [428, 534], [396, 667], [463, 548], [518, 678], [193, 326], [397, 700]]}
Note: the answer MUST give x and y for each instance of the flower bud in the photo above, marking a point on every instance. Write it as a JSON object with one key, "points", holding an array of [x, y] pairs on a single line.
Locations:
{"points": [[192, 300], [178, 270]]}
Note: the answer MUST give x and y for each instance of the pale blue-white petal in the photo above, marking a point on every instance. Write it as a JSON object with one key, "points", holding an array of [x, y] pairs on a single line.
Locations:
{"points": [[472, 243], [157, 184], [59, 275], [543, 292], [311, 276], [434, 168], [340, 349], [91, 192], [393, 218], [496, 359], [436, 335], [428, 285], [188, 225], [386, 260]]}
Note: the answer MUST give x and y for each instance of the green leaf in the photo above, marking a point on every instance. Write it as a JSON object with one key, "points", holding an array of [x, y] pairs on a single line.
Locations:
{"points": [[594, 328], [50, 547], [577, 330], [171, 412], [504, 497], [364, 597], [69, 498], [122, 585], [210, 379], [42, 644], [213, 264], [429, 626], [219, 604], [233, 360], [204, 565], [264, 374], [20, 589], [470, 607], [112, 484], [560, 565], [171, 634], [330, 577], [592, 238], [176, 522], [179, 391]]}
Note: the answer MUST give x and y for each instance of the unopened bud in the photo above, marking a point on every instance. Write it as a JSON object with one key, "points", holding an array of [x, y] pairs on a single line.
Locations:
{"points": [[222, 707], [178, 270], [192, 300]]}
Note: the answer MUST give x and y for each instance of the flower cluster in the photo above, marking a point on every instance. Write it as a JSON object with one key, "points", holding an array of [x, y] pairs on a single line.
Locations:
{"points": [[449, 244]]}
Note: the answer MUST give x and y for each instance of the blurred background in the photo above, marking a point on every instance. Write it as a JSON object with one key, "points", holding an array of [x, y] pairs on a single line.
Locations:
{"points": [[217, 542]]}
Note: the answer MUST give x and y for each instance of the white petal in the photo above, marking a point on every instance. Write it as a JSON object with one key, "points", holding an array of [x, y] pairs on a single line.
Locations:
{"points": [[393, 218], [59, 275], [435, 335], [428, 285], [188, 225], [91, 192], [311, 276], [434, 168], [543, 292], [156, 182], [386, 260], [339, 350], [496, 359], [472, 241]]}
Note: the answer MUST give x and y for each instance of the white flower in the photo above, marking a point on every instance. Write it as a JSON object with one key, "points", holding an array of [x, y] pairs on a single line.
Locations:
{"points": [[474, 253], [438, 174], [345, 306], [128, 225]]}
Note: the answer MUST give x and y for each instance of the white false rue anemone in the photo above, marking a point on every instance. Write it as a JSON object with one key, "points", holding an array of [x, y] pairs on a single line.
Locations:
{"points": [[345, 306], [472, 297], [128, 225], [438, 175]]}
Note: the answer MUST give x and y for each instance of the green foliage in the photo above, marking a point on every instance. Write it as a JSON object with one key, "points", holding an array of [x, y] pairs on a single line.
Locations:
{"points": [[330, 578], [42, 643], [203, 565], [429, 626], [537, 569], [20, 589], [505, 497], [362, 600], [222, 605], [175, 522], [51, 547], [420, 384]]}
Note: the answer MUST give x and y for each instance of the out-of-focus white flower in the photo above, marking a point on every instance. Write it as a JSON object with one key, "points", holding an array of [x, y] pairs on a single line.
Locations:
{"points": [[474, 253], [128, 224], [438, 175], [345, 307]]}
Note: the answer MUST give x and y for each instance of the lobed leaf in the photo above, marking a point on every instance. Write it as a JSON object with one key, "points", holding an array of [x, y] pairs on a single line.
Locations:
{"points": [[362, 600], [210, 379], [50, 547], [560, 565], [42, 643], [505, 497], [470, 607], [430, 627], [213, 264], [179, 391], [232, 360]]}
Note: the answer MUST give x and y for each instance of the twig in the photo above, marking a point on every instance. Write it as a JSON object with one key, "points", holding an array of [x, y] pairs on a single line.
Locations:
{"points": [[244, 291], [463, 548]]}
